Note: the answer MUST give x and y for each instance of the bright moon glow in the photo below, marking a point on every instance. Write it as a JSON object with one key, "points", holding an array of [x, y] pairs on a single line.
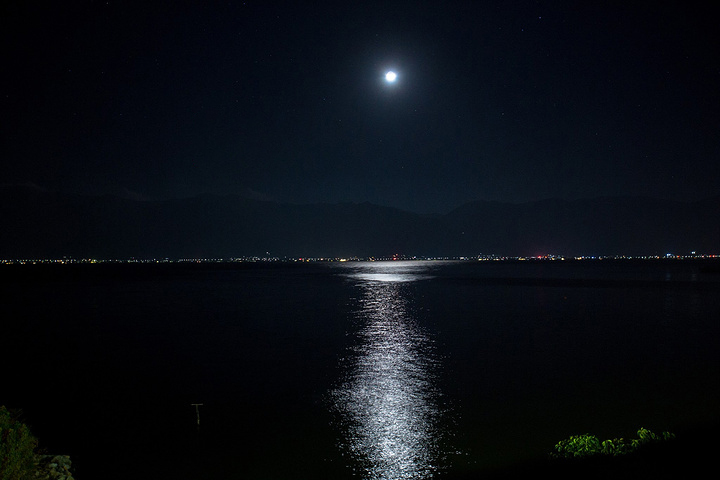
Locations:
{"points": [[390, 76]]}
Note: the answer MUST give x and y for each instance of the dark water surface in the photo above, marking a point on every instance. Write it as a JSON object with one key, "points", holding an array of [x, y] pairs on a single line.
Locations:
{"points": [[353, 370]]}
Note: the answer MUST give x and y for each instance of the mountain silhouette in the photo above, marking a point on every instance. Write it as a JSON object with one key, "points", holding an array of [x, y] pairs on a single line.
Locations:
{"points": [[41, 224]]}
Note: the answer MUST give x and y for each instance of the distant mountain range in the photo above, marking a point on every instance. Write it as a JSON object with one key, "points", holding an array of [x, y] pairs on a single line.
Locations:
{"points": [[40, 224]]}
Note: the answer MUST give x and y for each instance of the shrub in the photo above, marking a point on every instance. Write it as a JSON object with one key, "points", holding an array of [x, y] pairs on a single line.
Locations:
{"points": [[589, 445], [578, 446], [17, 460]]}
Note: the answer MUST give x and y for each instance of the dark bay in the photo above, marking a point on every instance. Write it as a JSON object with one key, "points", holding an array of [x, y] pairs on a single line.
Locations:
{"points": [[304, 369]]}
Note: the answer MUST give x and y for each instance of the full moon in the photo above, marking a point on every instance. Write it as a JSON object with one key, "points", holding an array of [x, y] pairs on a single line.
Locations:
{"points": [[390, 76]]}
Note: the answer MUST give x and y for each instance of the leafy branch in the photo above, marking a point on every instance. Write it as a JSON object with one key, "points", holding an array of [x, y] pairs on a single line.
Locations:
{"points": [[16, 448], [578, 446]]}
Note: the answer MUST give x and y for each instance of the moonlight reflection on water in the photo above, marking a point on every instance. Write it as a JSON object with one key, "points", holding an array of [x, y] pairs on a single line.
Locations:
{"points": [[388, 399]]}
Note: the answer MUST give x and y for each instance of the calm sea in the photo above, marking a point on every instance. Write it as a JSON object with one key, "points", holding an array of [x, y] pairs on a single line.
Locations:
{"points": [[370, 370]]}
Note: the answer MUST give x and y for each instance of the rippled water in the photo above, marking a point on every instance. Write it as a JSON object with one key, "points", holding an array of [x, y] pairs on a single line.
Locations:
{"points": [[388, 400], [372, 370]]}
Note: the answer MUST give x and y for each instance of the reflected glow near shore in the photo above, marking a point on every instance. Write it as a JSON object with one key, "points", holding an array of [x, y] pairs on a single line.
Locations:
{"points": [[388, 400]]}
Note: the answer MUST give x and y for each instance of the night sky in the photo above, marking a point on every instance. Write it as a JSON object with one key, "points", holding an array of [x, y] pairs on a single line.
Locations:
{"points": [[495, 100]]}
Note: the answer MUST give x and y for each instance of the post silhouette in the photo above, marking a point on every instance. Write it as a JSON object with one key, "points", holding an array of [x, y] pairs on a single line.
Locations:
{"points": [[197, 412]]}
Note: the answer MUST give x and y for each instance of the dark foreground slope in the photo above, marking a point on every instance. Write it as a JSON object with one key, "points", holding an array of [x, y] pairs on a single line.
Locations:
{"points": [[39, 224]]}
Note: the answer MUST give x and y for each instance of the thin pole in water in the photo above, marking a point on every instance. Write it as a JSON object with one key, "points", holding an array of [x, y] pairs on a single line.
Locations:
{"points": [[197, 412]]}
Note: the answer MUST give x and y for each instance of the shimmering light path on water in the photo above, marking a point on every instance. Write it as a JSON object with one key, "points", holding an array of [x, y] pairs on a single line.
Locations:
{"points": [[388, 399]]}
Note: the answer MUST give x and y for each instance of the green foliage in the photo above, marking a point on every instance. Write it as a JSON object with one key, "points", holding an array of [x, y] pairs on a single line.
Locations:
{"points": [[17, 460], [589, 445], [578, 446]]}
